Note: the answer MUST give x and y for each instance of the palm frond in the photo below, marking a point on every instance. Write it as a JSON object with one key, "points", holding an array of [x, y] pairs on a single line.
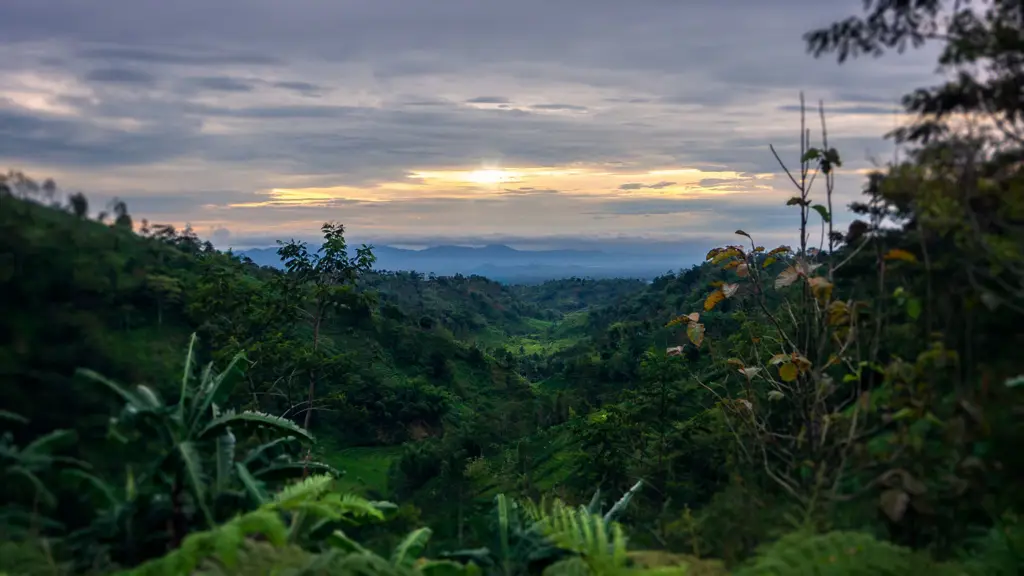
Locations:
{"points": [[194, 475], [253, 418], [253, 487], [42, 492], [286, 469], [129, 397], [5, 415], [259, 450], [46, 443], [186, 376], [225, 459], [210, 388], [410, 548]]}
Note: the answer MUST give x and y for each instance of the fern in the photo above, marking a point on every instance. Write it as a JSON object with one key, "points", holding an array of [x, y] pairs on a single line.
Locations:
{"points": [[841, 554]]}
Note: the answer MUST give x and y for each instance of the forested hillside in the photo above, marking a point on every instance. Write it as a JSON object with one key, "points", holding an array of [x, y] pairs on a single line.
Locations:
{"points": [[846, 404]]}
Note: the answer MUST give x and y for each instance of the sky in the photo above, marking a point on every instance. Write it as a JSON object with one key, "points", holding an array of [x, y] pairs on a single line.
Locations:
{"points": [[535, 123]]}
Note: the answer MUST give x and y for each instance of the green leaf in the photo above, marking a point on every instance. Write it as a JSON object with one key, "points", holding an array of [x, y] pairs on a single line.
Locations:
{"points": [[129, 398], [47, 443], [193, 468], [810, 154], [447, 568], [821, 210], [914, 308], [101, 486], [341, 541], [210, 389], [903, 414], [696, 333], [1014, 382], [409, 550], [186, 375], [225, 454], [282, 470], [251, 418], [742, 233], [45, 496], [504, 520], [796, 201], [252, 486], [259, 450], [11, 416]]}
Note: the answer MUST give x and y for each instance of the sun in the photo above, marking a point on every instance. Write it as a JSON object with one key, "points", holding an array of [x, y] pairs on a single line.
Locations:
{"points": [[490, 176]]}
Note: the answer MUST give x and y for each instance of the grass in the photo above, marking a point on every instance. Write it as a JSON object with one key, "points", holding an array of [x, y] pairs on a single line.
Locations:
{"points": [[366, 469]]}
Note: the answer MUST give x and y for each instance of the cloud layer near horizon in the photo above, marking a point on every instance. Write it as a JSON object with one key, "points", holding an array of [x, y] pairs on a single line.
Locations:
{"points": [[460, 120]]}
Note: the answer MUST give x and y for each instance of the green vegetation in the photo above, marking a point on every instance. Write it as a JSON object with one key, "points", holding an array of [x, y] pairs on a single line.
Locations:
{"points": [[849, 404]]}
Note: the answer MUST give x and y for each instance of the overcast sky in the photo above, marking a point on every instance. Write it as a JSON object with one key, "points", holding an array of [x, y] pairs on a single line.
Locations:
{"points": [[533, 122]]}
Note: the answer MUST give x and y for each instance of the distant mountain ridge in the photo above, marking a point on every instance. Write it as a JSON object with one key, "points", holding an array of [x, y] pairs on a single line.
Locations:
{"points": [[504, 263]]}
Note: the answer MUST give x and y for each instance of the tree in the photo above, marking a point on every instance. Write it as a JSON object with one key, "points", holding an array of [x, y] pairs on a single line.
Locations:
{"points": [[79, 204], [165, 290], [328, 278], [121, 217], [980, 45]]}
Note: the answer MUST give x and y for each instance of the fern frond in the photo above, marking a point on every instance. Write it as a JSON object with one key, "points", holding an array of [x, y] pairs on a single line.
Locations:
{"points": [[838, 553]]}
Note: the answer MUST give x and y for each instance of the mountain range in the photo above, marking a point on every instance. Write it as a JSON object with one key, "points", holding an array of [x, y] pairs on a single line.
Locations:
{"points": [[506, 264]]}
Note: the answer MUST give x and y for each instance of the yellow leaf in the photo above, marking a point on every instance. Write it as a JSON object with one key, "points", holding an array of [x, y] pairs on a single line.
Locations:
{"points": [[729, 290], [725, 255], [713, 299], [732, 264], [736, 362], [898, 254], [786, 277], [779, 250], [787, 372], [778, 359], [683, 319], [838, 313], [802, 363], [768, 261], [821, 288], [696, 334], [742, 271]]}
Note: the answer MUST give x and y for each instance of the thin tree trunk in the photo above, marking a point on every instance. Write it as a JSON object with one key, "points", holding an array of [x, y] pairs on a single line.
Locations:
{"points": [[312, 387], [312, 372]]}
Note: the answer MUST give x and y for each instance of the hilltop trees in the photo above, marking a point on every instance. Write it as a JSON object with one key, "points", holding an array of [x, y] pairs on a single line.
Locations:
{"points": [[327, 279]]}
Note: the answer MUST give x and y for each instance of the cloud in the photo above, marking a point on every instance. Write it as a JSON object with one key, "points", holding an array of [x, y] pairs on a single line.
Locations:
{"points": [[150, 56], [220, 84], [530, 190], [304, 88], [488, 100], [849, 109], [120, 76], [161, 99], [559, 107], [641, 185]]}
